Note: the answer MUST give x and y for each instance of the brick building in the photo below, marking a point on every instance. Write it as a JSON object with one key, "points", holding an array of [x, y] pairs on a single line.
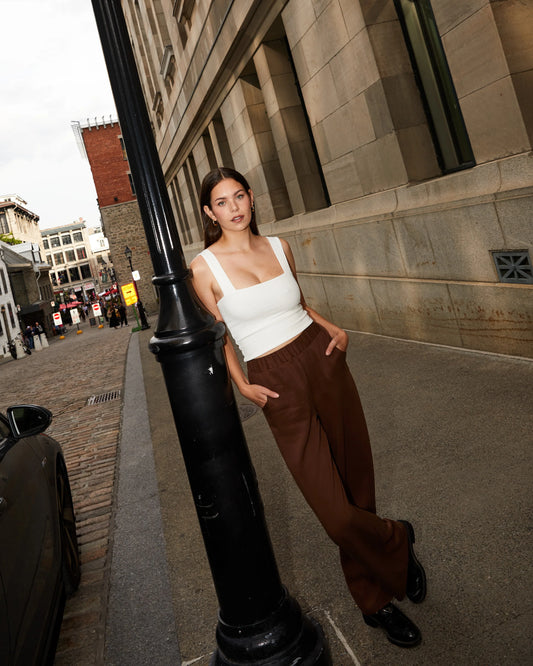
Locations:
{"points": [[389, 142], [101, 143]]}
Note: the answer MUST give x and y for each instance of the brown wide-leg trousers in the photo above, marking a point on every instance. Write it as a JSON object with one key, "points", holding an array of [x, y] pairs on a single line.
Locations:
{"points": [[320, 429]]}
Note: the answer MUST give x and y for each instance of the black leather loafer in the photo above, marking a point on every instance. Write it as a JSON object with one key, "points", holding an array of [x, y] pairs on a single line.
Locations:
{"points": [[416, 576], [399, 628]]}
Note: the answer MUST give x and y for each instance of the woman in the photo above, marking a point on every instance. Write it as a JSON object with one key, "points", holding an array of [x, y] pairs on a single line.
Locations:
{"points": [[297, 374]]}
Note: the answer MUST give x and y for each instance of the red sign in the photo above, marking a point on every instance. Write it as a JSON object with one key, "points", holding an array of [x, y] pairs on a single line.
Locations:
{"points": [[96, 309], [57, 319]]}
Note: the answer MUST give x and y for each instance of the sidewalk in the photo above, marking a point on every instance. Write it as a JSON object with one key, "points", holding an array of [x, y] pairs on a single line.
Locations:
{"points": [[452, 435]]}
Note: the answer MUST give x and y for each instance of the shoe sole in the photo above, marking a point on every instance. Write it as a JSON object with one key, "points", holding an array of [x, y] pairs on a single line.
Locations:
{"points": [[411, 541]]}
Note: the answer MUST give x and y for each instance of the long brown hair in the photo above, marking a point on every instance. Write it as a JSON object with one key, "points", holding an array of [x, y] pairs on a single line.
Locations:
{"points": [[212, 231]]}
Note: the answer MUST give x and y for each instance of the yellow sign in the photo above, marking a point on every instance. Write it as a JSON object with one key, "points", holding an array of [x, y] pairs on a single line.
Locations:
{"points": [[129, 293]]}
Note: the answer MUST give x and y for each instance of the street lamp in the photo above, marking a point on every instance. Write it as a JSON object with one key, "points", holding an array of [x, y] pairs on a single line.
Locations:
{"points": [[129, 255], [259, 622], [139, 306]]}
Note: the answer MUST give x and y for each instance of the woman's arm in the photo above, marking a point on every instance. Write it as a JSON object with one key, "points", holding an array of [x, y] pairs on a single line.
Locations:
{"points": [[339, 337], [203, 283]]}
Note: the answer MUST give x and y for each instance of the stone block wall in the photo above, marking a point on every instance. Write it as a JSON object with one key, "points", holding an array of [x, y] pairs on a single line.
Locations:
{"points": [[123, 226], [318, 104]]}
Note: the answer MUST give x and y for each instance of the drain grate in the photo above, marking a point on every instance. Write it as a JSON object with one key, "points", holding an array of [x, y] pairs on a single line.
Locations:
{"points": [[103, 397], [514, 266], [246, 411]]}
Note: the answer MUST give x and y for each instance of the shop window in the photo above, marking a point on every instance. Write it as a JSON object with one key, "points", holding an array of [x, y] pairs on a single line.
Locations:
{"points": [[54, 279], [434, 80], [62, 277]]}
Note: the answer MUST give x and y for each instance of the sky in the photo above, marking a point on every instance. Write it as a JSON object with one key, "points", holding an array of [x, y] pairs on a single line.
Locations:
{"points": [[52, 72]]}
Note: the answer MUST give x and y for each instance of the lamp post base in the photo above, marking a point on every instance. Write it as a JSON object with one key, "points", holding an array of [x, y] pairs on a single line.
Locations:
{"points": [[284, 638]]}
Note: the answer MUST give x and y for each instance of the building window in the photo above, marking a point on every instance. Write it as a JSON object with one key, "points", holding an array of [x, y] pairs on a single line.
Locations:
{"points": [[85, 271], [70, 255], [77, 236], [3, 276], [62, 277], [11, 317], [434, 80], [54, 279], [49, 259], [46, 245], [123, 148], [4, 226], [81, 253], [74, 273], [54, 241], [132, 184], [58, 258], [66, 239]]}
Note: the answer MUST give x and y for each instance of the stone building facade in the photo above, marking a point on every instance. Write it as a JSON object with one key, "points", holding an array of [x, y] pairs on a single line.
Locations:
{"points": [[102, 144], [389, 142], [17, 221]]}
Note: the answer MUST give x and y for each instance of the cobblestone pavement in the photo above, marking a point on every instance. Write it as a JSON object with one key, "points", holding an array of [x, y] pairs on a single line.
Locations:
{"points": [[62, 377]]}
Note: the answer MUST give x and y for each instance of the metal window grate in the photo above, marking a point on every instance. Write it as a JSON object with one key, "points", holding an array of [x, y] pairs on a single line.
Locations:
{"points": [[514, 266], [103, 397]]}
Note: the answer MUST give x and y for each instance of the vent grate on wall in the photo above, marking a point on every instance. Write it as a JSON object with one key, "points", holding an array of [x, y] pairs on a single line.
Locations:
{"points": [[514, 266], [103, 397]]}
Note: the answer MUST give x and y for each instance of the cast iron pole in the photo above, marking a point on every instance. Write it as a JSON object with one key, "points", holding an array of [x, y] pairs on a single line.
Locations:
{"points": [[259, 622]]}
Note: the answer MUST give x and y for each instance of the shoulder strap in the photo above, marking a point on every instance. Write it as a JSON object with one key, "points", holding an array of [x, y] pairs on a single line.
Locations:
{"points": [[220, 276], [280, 254]]}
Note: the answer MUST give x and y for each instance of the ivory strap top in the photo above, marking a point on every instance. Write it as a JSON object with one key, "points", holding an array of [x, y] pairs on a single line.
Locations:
{"points": [[265, 315]]}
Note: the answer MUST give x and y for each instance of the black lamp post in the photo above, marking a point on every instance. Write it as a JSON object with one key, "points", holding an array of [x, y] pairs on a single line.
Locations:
{"points": [[259, 623], [129, 255]]}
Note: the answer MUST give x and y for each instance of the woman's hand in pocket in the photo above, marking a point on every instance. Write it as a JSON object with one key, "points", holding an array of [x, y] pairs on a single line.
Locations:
{"points": [[258, 394]]}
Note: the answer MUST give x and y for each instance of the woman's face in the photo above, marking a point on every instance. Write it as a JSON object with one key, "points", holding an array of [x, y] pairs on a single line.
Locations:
{"points": [[231, 205]]}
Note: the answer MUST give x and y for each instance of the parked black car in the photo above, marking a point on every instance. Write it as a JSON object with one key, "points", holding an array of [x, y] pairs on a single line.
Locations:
{"points": [[39, 557]]}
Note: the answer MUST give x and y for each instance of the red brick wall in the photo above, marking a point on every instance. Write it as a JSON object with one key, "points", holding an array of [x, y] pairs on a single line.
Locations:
{"points": [[108, 166]]}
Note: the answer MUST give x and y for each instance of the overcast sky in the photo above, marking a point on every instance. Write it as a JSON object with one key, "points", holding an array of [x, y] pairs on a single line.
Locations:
{"points": [[52, 72]]}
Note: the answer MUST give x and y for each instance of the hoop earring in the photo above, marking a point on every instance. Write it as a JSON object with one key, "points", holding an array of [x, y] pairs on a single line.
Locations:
{"points": [[214, 223]]}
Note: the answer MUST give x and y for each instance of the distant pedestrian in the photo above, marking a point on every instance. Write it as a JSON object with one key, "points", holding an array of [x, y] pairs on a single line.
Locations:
{"points": [[114, 319], [142, 315], [38, 331], [28, 334], [122, 313]]}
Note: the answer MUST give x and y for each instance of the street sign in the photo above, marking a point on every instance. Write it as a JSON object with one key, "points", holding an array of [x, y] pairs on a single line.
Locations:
{"points": [[96, 309], [136, 276], [57, 319], [129, 293]]}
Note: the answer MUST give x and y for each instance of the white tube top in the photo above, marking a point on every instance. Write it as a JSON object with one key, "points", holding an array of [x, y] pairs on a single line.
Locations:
{"points": [[265, 315]]}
